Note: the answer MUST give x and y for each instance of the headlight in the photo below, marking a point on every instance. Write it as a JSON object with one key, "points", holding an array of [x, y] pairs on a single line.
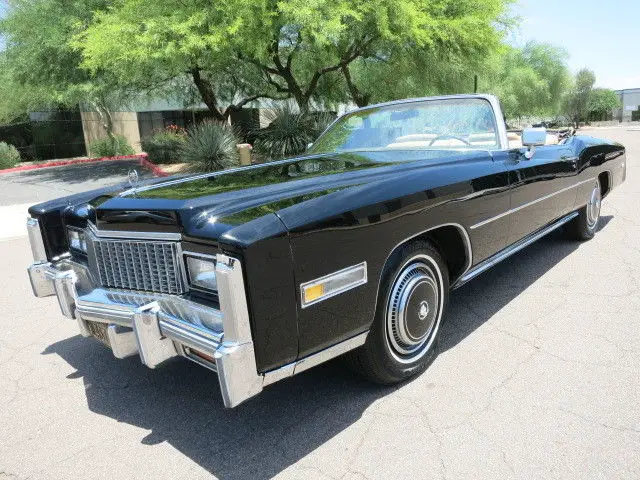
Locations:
{"points": [[77, 240], [202, 273]]}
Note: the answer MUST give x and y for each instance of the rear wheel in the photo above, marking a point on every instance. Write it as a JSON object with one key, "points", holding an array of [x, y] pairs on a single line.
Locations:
{"points": [[413, 296], [585, 225]]}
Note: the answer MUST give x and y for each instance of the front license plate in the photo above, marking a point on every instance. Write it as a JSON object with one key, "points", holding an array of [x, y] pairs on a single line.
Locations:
{"points": [[98, 330]]}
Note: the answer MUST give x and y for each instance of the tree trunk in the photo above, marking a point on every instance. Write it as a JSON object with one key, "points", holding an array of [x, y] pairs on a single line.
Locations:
{"points": [[105, 117], [208, 95], [292, 85], [359, 98]]}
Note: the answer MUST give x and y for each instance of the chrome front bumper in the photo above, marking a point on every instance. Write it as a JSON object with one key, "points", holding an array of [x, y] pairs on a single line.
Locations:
{"points": [[158, 327]]}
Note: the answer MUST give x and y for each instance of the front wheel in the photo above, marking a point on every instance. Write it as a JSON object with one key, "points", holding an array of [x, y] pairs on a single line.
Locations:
{"points": [[413, 296], [585, 225]]}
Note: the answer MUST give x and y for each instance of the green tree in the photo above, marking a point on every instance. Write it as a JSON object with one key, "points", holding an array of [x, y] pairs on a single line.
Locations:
{"points": [[105, 53], [304, 43], [529, 81], [39, 69], [237, 51], [185, 46], [602, 102], [577, 102]]}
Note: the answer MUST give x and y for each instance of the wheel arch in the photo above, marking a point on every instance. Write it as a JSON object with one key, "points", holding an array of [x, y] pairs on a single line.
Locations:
{"points": [[605, 183], [453, 243]]}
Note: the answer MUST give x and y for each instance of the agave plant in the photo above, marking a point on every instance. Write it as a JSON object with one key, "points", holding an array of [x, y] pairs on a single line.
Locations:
{"points": [[289, 132], [210, 146]]}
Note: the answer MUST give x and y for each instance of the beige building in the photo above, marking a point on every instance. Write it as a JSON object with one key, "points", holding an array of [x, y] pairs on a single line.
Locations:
{"points": [[124, 123]]}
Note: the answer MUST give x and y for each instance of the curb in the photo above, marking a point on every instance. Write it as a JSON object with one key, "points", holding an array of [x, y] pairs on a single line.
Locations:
{"points": [[142, 157], [157, 171]]}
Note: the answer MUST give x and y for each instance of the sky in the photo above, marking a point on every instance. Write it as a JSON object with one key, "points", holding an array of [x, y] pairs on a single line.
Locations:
{"points": [[603, 35]]}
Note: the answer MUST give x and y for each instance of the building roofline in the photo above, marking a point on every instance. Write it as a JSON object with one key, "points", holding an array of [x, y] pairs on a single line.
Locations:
{"points": [[628, 90]]}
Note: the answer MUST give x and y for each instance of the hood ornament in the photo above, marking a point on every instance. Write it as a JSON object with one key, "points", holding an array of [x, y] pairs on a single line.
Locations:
{"points": [[133, 177]]}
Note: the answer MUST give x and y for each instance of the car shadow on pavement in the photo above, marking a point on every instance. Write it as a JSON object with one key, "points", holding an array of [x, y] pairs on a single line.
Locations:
{"points": [[477, 301], [180, 403]]}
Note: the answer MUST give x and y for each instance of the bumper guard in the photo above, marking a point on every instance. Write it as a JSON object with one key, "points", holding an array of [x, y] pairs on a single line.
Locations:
{"points": [[159, 327]]}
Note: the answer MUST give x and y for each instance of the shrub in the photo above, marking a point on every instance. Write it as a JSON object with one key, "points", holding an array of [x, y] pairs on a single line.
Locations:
{"points": [[164, 146], [289, 132], [210, 146], [110, 147], [9, 156]]}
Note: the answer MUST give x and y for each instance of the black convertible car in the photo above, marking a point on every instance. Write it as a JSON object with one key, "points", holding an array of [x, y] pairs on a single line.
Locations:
{"points": [[261, 272]]}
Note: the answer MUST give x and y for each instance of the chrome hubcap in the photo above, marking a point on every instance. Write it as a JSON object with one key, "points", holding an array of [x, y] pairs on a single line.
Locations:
{"points": [[593, 207], [413, 311]]}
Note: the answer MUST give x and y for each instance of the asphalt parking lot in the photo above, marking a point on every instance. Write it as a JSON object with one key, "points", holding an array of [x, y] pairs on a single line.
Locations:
{"points": [[537, 377]]}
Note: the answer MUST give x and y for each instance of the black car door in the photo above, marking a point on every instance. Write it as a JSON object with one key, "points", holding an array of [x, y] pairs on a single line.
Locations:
{"points": [[542, 188]]}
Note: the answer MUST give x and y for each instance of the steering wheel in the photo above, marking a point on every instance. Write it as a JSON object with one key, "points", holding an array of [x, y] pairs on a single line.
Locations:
{"points": [[442, 137]]}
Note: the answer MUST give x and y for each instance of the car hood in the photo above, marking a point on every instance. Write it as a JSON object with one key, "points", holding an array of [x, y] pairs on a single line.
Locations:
{"points": [[239, 205]]}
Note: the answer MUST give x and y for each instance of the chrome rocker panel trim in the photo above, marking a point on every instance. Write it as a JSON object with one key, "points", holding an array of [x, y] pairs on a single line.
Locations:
{"points": [[507, 252]]}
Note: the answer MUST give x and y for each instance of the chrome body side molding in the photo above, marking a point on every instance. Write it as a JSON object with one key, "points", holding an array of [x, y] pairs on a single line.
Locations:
{"points": [[529, 204], [507, 252]]}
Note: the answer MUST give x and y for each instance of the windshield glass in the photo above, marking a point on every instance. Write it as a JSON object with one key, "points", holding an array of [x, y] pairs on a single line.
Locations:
{"points": [[435, 124]]}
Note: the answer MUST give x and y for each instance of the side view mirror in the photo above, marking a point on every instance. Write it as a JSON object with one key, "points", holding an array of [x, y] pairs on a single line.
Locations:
{"points": [[532, 138]]}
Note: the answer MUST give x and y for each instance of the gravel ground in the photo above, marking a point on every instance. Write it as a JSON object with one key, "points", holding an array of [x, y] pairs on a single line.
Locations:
{"points": [[537, 378]]}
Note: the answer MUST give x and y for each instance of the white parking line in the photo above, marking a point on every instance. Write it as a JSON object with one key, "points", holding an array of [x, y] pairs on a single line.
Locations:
{"points": [[13, 221]]}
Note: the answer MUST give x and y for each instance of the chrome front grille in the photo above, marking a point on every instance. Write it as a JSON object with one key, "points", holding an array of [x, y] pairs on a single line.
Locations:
{"points": [[152, 266]]}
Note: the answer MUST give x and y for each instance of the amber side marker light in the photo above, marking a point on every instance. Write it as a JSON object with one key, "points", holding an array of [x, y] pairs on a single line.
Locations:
{"points": [[333, 284], [203, 356]]}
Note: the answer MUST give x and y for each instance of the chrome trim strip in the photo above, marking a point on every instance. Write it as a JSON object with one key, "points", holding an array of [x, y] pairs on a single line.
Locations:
{"points": [[507, 252], [105, 315], [195, 338], [189, 253], [315, 359], [189, 329], [332, 276], [133, 235], [35, 240], [528, 204]]}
